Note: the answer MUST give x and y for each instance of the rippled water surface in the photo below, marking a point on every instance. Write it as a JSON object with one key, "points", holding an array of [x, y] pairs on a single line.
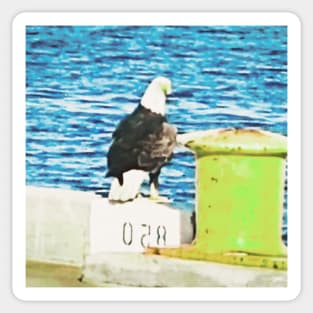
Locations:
{"points": [[82, 80]]}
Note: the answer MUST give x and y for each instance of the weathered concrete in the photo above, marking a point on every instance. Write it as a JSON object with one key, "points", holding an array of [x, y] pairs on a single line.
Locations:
{"points": [[57, 224], [40, 274], [134, 269]]}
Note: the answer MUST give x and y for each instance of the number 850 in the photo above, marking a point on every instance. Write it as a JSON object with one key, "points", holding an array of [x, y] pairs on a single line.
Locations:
{"points": [[128, 232]]}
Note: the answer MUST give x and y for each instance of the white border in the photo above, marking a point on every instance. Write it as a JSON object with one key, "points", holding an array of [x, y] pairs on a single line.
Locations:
{"points": [[18, 153]]}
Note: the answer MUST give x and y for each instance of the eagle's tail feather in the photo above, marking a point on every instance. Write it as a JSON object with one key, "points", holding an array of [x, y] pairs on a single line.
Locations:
{"points": [[129, 190]]}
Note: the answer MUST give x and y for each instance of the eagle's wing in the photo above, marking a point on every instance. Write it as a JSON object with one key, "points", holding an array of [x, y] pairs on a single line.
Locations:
{"points": [[132, 140], [158, 148]]}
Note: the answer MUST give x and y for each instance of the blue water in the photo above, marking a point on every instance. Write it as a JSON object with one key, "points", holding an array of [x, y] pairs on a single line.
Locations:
{"points": [[82, 80]]}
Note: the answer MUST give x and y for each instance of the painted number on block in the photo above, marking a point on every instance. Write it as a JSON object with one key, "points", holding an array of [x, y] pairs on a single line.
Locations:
{"points": [[146, 235], [161, 235], [127, 234]]}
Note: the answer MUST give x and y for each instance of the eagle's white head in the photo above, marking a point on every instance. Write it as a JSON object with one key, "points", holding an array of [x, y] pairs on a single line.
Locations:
{"points": [[155, 95]]}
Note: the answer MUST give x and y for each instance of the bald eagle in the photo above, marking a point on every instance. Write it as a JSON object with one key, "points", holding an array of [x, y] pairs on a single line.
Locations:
{"points": [[142, 144]]}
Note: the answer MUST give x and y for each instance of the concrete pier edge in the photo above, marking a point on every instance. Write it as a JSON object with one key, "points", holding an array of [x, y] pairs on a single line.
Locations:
{"points": [[58, 228]]}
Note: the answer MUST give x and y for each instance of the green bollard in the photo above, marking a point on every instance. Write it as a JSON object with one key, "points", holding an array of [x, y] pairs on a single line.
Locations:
{"points": [[240, 184], [239, 197]]}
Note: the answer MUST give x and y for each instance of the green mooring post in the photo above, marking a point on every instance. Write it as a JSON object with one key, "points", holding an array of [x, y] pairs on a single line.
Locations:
{"points": [[239, 197]]}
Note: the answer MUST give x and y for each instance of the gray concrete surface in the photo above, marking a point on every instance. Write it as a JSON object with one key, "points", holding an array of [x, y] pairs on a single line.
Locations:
{"points": [[134, 269]]}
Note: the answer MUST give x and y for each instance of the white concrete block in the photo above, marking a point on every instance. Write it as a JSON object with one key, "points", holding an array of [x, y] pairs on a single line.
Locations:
{"points": [[133, 226]]}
